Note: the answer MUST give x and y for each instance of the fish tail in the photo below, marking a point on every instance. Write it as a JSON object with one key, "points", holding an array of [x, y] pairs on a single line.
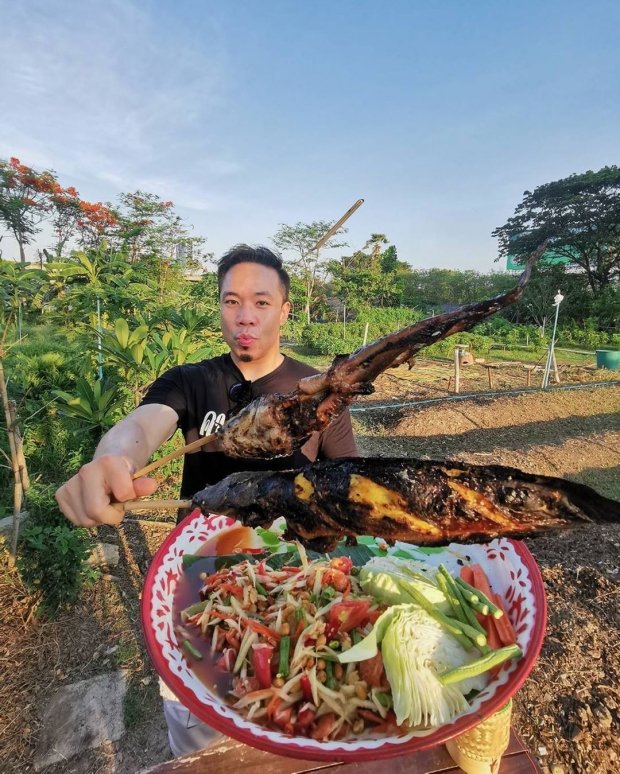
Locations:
{"points": [[595, 506]]}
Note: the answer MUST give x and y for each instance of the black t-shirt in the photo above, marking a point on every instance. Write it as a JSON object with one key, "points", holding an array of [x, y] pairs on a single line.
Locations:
{"points": [[199, 393]]}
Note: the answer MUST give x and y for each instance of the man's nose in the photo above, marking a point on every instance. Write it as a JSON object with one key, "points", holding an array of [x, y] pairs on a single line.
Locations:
{"points": [[246, 314]]}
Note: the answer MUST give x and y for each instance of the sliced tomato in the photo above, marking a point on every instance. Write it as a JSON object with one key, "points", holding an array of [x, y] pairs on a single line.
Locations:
{"points": [[342, 563], [372, 672], [324, 726], [282, 717], [227, 661], [306, 687], [261, 662], [245, 685], [344, 616], [305, 718], [336, 578]]}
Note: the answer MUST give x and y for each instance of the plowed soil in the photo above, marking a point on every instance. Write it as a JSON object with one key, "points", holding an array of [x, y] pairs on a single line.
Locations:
{"points": [[568, 711]]}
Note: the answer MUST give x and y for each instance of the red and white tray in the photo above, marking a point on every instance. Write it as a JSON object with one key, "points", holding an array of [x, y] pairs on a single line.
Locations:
{"points": [[509, 565]]}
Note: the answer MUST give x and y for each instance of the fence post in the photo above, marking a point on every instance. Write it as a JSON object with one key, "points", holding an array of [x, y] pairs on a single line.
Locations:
{"points": [[457, 371], [17, 486]]}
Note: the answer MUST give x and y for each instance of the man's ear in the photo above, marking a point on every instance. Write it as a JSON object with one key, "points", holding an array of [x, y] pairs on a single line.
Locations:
{"points": [[286, 308]]}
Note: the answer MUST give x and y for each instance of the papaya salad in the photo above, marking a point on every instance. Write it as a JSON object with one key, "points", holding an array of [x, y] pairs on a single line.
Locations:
{"points": [[328, 650]]}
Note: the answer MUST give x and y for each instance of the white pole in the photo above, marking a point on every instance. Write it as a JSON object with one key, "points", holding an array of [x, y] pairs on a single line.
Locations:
{"points": [[99, 352], [551, 354]]}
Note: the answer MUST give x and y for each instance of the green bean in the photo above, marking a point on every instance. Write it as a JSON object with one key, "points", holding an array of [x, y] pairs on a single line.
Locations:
{"points": [[471, 618], [475, 668], [285, 649], [191, 650], [261, 589], [484, 601], [329, 671], [452, 626], [446, 583]]}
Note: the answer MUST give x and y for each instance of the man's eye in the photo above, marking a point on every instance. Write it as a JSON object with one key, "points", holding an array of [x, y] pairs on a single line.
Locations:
{"points": [[230, 302], [262, 303]]}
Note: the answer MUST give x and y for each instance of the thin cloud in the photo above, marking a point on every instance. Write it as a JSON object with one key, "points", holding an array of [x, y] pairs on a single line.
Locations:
{"points": [[101, 91]]}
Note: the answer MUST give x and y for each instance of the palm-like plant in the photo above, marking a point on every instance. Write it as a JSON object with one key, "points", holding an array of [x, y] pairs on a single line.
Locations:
{"points": [[96, 407]]}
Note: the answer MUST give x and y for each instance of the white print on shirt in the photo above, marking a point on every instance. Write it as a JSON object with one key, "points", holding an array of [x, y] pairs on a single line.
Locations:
{"points": [[212, 423]]}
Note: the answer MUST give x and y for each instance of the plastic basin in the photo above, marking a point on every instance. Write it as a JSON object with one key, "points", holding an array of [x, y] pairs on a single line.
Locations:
{"points": [[608, 358]]}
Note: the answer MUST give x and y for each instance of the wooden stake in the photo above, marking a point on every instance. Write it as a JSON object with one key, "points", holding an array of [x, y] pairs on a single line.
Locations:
{"points": [[555, 368], [490, 375], [17, 485], [173, 455], [457, 372]]}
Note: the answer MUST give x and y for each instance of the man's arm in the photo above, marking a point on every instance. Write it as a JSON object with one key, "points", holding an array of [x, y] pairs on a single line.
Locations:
{"points": [[86, 498]]}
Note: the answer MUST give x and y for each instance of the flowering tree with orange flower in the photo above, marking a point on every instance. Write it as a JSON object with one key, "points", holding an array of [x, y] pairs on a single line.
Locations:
{"points": [[74, 217], [25, 200]]}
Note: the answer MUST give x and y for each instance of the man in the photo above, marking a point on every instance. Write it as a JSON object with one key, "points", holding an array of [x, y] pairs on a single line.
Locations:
{"points": [[197, 398]]}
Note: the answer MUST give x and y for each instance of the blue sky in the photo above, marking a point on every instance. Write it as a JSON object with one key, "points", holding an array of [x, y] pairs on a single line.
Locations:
{"points": [[251, 114]]}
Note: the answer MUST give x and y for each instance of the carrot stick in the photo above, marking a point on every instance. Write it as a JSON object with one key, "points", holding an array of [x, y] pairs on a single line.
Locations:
{"points": [[481, 582], [494, 641], [467, 574], [505, 629]]}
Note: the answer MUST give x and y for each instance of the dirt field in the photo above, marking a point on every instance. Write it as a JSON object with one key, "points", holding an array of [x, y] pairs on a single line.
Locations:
{"points": [[569, 709]]}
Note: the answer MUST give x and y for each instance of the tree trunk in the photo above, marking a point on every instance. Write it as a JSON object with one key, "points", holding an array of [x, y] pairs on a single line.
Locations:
{"points": [[22, 253]]}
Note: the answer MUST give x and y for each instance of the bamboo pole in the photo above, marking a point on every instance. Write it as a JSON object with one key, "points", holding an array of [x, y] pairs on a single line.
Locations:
{"points": [[555, 368], [17, 486], [19, 447], [457, 371]]}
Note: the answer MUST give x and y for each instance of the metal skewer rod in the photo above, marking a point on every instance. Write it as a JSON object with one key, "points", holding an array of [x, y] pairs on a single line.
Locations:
{"points": [[173, 455]]}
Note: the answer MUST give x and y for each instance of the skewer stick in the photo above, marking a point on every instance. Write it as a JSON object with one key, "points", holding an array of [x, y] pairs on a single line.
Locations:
{"points": [[173, 455], [153, 505]]}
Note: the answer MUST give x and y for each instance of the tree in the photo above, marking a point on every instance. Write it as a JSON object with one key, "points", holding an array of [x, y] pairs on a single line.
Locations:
{"points": [[579, 216], [24, 200], [72, 216], [307, 265]]}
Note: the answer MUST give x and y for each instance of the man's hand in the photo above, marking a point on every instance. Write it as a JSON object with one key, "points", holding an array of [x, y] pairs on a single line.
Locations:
{"points": [[91, 497]]}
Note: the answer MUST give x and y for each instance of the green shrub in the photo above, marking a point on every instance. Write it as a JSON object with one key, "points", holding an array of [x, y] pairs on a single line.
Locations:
{"points": [[51, 563]]}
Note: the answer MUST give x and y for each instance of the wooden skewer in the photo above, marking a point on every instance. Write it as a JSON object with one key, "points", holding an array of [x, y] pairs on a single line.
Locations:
{"points": [[173, 455], [153, 505]]}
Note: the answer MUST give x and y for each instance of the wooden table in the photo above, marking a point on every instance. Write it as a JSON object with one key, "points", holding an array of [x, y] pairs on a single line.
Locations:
{"points": [[231, 757]]}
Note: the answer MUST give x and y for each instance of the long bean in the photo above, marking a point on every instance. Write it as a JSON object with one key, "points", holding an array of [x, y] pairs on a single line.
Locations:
{"points": [[285, 649], [483, 600], [193, 652], [475, 668], [449, 624]]}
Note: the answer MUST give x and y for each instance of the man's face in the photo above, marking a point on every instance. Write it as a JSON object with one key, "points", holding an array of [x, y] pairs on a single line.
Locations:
{"points": [[252, 310]]}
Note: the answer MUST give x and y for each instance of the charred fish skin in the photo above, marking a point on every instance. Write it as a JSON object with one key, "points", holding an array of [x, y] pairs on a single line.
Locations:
{"points": [[424, 502], [274, 426]]}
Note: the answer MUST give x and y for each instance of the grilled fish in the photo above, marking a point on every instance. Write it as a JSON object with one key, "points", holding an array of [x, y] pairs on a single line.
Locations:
{"points": [[275, 425], [424, 502]]}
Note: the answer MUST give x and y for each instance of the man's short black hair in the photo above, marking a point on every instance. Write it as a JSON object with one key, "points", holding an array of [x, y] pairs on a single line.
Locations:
{"points": [[259, 254]]}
